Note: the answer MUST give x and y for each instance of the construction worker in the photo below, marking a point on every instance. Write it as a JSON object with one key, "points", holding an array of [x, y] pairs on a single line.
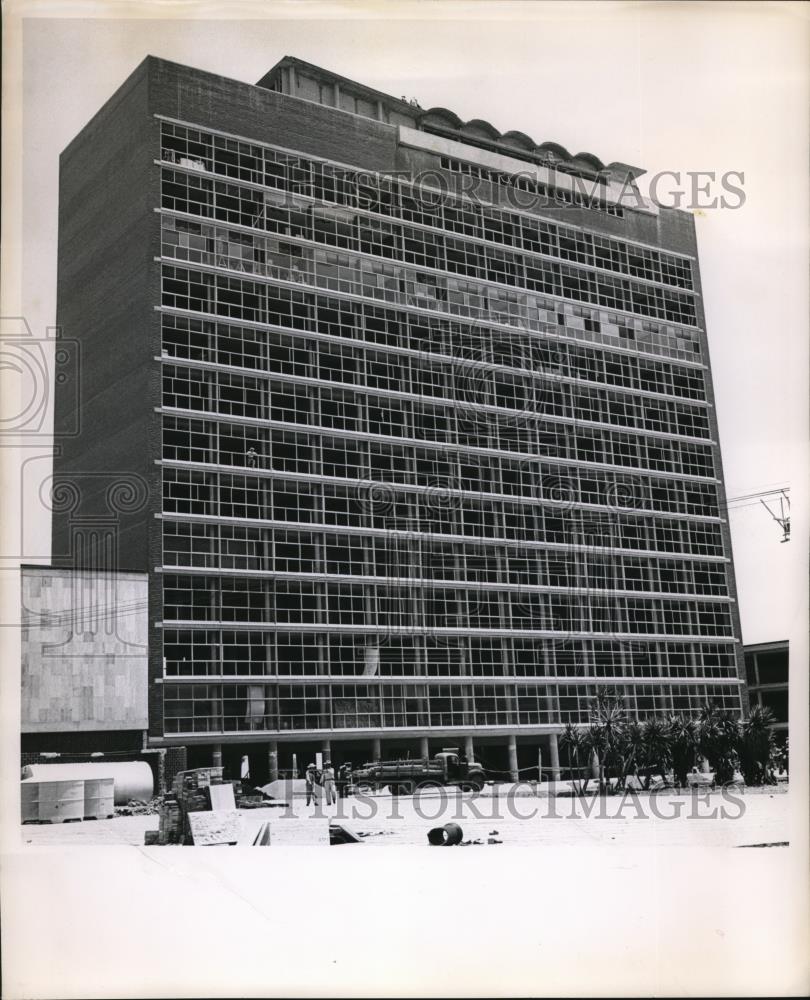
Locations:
{"points": [[312, 779], [251, 456], [328, 781], [344, 779]]}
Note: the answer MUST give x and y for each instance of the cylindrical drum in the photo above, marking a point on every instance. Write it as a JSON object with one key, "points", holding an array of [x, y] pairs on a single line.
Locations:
{"points": [[133, 778]]}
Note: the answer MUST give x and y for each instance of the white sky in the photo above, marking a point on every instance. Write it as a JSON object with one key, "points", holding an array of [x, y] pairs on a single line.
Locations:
{"points": [[684, 87]]}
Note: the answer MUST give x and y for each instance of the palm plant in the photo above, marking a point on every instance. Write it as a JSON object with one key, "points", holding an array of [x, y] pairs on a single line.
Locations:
{"points": [[646, 748], [683, 746], [605, 733], [632, 749], [573, 739], [756, 745], [718, 741], [657, 749]]}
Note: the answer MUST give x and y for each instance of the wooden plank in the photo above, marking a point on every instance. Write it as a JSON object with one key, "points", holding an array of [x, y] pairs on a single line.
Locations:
{"points": [[222, 797]]}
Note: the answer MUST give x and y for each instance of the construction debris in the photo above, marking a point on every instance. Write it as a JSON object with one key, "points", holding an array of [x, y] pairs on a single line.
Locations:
{"points": [[135, 807], [202, 809], [191, 792], [339, 834], [215, 828], [292, 832]]}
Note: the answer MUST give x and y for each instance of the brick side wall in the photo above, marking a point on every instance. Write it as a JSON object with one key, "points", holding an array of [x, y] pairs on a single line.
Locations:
{"points": [[102, 302], [175, 760]]}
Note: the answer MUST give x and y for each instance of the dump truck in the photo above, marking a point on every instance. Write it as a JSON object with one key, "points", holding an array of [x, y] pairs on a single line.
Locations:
{"points": [[402, 777]]}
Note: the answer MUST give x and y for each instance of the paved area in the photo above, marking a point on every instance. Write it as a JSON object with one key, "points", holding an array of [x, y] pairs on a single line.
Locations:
{"points": [[704, 819]]}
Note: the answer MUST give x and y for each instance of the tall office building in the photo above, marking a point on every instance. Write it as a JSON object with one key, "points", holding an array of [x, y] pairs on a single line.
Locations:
{"points": [[422, 413]]}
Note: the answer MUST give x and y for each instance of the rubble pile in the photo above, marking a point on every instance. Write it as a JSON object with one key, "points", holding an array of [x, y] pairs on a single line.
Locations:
{"points": [[136, 807], [200, 790]]}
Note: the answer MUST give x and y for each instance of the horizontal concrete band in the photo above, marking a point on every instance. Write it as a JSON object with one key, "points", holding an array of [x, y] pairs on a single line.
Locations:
{"points": [[628, 637], [333, 735], [348, 680]]}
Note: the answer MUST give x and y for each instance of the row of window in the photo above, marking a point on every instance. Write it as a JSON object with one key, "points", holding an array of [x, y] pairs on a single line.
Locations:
{"points": [[384, 606], [202, 652], [282, 260], [457, 465], [280, 550], [468, 390], [418, 344], [304, 310], [245, 250], [225, 708], [435, 510], [331, 415], [585, 193], [396, 198]]}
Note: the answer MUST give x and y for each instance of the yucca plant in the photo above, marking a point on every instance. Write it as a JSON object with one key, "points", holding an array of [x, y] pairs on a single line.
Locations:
{"points": [[657, 749], [719, 741], [756, 745], [683, 746], [605, 734], [632, 749], [647, 749], [573, 740]]}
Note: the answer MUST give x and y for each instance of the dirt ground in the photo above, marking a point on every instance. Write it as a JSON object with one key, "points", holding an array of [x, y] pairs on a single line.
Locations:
{"points": [[511, 815]]}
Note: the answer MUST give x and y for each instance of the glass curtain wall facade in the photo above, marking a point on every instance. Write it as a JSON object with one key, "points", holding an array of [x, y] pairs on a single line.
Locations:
{"points": [[426, 464]]}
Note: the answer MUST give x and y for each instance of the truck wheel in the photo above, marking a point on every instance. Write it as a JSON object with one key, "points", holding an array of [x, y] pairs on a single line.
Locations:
{"points": [[363, 788], [472, 785], [402, 788]]}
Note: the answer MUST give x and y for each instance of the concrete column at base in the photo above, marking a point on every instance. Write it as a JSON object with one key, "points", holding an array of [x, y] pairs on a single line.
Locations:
{"points": [[424, 749], [514, 774], [539, 763], [469, 750], [594, 766], [216, 755], [272, 760], [554, 753], [376, 750], [326, 750]]}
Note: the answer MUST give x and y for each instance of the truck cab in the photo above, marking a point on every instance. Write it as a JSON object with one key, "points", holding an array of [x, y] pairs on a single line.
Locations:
{"points": [[451, 765]]}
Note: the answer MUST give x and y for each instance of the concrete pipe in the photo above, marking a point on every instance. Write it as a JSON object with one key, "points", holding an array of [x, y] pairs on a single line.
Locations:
{"points": [[133, 778], [445, 836]]}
